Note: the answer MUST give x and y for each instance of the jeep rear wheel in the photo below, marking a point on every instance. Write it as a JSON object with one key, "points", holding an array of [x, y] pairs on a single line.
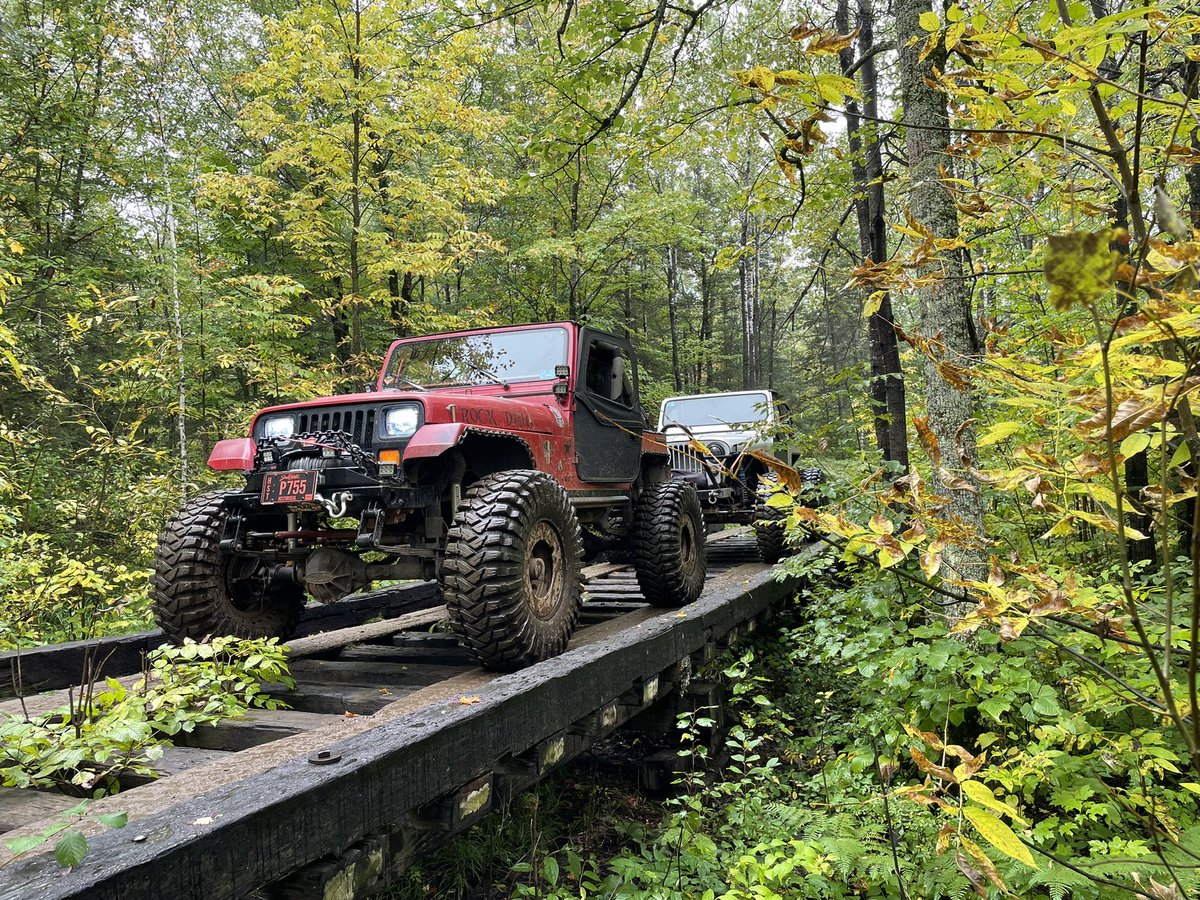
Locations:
{"points": [[669, 549], [769, 529], [200, 591], [513, 575]]}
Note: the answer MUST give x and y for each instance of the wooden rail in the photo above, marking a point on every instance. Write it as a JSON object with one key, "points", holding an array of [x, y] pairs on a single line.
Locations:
{"points": [[322, 802]]}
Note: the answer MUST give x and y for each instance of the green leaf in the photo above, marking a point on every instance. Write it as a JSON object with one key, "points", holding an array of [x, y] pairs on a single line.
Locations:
{"points": [[71, 849], [1191, 786], [1135, 443], [550, 870], [25, 844], [999, 432], [930, 21], [114, 820], [999, 835]]}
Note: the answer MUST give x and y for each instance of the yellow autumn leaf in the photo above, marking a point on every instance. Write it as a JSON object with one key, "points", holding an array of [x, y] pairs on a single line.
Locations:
{"points": [[873, 303], [998, 432], [982, 794], [986, 866], [780, 500], [999, 835], [467, 701], [930, 21]]}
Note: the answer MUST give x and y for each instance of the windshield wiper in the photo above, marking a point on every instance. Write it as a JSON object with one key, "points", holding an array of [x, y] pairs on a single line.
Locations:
{"points": [[410, 382], [488, 373]]}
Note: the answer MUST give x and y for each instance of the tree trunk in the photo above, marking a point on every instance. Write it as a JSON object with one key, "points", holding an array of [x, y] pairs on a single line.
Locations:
{"points": [[673, 315], [185, 473], [573, 286], [945, 316], [886, 391], [744, 302], [704, 364], [341, 331], [356, 344]]}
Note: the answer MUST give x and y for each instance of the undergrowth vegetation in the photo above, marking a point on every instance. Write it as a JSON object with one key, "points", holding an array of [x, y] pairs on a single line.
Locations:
{"points": [[864, 738], [87, 746]]}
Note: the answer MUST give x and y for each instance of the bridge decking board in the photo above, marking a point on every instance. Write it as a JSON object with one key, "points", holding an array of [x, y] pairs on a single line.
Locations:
{"points": [[407, 654], [337, 698], [257, 726], [21, 806], [357, 671]]}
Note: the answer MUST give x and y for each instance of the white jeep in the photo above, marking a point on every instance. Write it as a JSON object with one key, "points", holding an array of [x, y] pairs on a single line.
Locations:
{"points": [[727, 479]]}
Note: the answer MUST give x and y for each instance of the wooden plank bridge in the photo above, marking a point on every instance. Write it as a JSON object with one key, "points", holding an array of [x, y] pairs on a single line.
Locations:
{"points": [[394, 741]]}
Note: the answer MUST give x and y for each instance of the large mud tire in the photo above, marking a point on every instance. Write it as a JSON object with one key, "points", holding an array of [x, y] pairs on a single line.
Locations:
{"points": [[668, 544], [513, 575], [770, 533], [198, 591]]}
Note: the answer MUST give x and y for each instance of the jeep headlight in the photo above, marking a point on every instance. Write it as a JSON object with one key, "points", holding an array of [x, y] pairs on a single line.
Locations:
{"points": [[401, 421], [278, 426]]}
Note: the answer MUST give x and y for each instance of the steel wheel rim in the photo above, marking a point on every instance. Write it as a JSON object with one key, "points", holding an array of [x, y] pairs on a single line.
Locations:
{"points": [[687, 546], [545, 581], [246, 583]]}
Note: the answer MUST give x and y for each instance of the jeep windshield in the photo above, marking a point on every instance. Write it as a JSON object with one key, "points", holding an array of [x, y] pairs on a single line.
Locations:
{"points": [[715, 409], [492, 357]]}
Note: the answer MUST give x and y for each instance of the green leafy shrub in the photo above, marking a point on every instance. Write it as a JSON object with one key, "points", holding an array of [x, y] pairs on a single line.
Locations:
{"points": [[87, 746]]}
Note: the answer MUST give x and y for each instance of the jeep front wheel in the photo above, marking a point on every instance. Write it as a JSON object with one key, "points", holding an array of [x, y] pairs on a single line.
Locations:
{"points": [[513, 575], [669, 549], [200, 591]]}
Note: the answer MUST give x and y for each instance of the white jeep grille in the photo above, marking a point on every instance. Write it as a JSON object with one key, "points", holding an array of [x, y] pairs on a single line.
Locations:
{"points": [[684, 459]]}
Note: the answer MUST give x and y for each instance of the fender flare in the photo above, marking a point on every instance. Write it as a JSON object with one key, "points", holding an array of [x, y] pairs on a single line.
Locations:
{"points": [[434, 440], [431, 441]]}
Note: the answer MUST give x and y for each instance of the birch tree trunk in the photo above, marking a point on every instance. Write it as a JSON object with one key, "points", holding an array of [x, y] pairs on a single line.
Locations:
{"points": [[945, 311], [170, 233]]}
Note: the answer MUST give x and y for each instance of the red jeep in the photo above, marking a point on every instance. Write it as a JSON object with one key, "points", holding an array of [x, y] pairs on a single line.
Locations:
{"points": [[490, 459]]}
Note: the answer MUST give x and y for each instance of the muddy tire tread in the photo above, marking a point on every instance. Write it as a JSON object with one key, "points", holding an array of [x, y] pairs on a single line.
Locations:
{"points": [[657, 554], [482, 579], [188, 591]]}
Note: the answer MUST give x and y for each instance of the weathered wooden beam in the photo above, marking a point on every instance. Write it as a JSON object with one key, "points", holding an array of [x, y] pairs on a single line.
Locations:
{"points": [[21, 806], [236, 837], [257, 726], [316, 644], [59, 666]]}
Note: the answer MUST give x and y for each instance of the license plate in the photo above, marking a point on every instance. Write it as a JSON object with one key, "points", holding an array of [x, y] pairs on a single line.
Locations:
{"points": [[289, 487]]}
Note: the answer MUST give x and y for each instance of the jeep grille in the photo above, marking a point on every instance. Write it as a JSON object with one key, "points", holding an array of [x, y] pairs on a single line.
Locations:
{"points": [[685, 460], [356, 421]]}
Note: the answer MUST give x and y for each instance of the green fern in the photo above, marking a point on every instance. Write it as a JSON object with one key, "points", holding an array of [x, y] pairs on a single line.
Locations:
{"points": [[1061, 883]]}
